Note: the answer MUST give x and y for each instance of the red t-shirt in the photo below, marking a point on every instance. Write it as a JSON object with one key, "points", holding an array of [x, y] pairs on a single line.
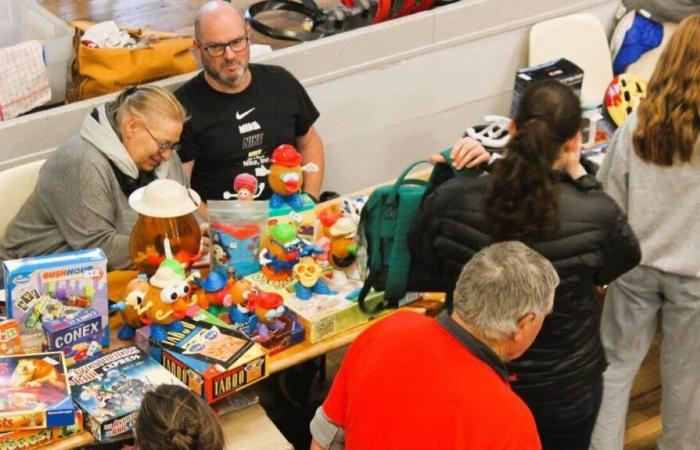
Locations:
{"points": [[407, 382]]}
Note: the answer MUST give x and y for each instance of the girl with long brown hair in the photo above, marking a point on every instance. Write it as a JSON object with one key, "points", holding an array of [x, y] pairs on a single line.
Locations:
{"points": [[652, 170]]}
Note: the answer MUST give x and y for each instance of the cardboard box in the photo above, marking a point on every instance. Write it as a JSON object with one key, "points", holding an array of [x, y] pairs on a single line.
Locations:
{"points": [[210, 380], [77, 336], [109, 389], [561, 70], [10, 342], [304, 219], [34, 392], [44, 288], [31, 439]]}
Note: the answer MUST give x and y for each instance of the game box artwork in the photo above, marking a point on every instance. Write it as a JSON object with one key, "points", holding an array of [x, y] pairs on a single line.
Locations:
{"points": [[31, 439], [76, 335], [206, 367], [109, 389], [34, 392], [44, 288]]}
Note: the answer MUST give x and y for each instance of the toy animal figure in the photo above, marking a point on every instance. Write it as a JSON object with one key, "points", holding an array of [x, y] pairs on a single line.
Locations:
{"points": [[246, 188], [133, 307], [215, 295], [218, 254], [268, 308], [285, 177], [241, 307], [280, 251], [308, 272], [36, 373]]}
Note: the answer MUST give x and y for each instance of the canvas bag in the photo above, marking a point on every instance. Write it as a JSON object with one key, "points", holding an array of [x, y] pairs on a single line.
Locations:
{"points": [[99, 71], [384, 225]]}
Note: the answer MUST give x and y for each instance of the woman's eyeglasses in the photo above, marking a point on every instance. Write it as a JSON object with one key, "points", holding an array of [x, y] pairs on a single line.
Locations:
{"points": [[162, 146], [237, 45]]}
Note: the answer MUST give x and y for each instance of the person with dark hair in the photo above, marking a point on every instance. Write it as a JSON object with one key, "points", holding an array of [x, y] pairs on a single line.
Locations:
{"points": [[652, 171], [540, 193], [414, 382], [171, 417]]}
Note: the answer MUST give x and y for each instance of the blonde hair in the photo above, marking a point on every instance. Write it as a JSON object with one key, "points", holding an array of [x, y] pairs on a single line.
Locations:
{"points": [[148, 104], [669, 117], [173, 418]]}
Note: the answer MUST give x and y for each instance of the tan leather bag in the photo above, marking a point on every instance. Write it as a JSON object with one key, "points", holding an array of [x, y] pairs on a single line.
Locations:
{"points": [[99, 71]]}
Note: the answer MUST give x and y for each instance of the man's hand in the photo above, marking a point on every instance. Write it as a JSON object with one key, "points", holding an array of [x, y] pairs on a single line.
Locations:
{"points": [[466, 152]]}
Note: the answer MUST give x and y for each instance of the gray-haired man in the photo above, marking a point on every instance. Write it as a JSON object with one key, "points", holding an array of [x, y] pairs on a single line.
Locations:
{"points": [[414, 382]]}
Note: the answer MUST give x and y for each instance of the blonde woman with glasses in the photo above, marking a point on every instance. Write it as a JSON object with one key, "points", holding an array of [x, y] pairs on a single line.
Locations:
{"points": [[653, 172], [80, 199]]}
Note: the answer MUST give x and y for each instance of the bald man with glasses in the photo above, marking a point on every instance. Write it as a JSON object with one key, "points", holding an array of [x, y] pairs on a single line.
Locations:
{"points": [[241, 112]]}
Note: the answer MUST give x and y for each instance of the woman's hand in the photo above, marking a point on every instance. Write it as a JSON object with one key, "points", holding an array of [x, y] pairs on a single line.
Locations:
{"points": [[466, 152]]}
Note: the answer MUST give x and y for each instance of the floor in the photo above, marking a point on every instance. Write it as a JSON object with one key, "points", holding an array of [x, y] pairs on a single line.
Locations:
{"points": [[644, 423]]}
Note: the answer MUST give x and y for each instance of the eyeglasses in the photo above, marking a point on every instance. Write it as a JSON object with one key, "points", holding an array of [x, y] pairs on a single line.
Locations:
{"points": [[237, 45], [162, 146]]}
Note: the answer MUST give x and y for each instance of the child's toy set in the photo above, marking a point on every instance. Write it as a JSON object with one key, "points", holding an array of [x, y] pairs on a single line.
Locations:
{"points": [[109, 389], [31, 439], [10, 342], [44, 288], [34, 392]]}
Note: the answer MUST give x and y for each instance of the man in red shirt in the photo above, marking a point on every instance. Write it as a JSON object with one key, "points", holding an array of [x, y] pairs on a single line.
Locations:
{"points": [[413, 382]]}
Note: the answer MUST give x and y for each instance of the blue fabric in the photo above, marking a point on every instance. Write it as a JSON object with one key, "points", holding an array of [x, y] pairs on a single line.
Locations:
{"points": [[643, 35]]}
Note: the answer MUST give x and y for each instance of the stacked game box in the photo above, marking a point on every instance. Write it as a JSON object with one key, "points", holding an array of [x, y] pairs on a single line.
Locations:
{"points": [[34, 392], [44, 288], [213, 361], [109, 389], [76, 335], [31, 439]]}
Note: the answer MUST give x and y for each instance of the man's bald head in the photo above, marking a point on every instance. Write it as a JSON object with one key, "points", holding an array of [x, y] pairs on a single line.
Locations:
{"points": [[213, 12]]}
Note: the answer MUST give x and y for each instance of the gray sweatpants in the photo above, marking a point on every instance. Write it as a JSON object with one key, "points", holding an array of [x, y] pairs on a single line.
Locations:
{"points": [[628, 326]]}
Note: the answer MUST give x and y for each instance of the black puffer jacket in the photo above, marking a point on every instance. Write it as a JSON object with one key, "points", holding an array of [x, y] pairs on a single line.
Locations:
{"points": [[593, 246]]}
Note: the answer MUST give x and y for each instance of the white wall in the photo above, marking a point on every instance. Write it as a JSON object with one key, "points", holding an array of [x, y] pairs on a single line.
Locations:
{"points": [[388, 94]]}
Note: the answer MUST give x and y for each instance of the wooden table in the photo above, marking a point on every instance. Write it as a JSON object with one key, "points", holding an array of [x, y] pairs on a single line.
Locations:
{"points": [[249, 428]]}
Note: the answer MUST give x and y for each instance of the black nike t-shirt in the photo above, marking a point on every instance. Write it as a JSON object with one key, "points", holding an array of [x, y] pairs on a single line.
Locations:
{"points": [[229, 134]]}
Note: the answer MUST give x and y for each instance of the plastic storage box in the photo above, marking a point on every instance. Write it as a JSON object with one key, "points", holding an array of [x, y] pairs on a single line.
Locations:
{"points": [[24, 20]]}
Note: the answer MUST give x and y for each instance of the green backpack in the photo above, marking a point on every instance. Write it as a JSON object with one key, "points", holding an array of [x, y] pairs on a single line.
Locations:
{"points": [[384, 225]]}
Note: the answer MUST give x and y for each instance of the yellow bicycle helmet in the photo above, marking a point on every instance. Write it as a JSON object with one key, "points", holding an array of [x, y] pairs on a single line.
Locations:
{"points": [[623, 95]]}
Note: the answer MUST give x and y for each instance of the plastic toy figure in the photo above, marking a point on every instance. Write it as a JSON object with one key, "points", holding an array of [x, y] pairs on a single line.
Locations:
{"points": [[268, 307], [342, 252], [132, 307], [308, 272], [169, 297], [280, 251], [285, 176], [241, 308], [246, 188], [216, 297]]}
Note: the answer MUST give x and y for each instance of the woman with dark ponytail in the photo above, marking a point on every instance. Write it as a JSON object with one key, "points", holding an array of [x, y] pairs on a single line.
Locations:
{"points": [[540, 193]]}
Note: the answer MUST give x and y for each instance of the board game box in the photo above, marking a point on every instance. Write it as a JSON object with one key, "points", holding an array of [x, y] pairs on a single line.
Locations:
{"points": [[44, 288], [109, 389], [31, 439], [34, 392], [210, 380], [76, 335]]}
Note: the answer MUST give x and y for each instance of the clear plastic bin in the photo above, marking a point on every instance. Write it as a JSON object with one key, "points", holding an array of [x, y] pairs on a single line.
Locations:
{"points": [[25, 20]]}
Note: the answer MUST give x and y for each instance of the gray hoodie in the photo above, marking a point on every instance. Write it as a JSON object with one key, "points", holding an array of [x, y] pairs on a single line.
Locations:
{"points": [[78, 202], [662, 203]]}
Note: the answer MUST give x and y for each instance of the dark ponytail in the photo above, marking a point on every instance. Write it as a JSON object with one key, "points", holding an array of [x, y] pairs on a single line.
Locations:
{"points": [[521, 201]]}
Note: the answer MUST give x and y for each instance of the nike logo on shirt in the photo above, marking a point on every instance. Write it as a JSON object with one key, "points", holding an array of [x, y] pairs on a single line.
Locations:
{"points": [[242, 116]]}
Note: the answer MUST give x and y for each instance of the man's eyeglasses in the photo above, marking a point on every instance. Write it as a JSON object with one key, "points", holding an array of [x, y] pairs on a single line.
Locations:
{"points": [[162, 146], [237, 45]]}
